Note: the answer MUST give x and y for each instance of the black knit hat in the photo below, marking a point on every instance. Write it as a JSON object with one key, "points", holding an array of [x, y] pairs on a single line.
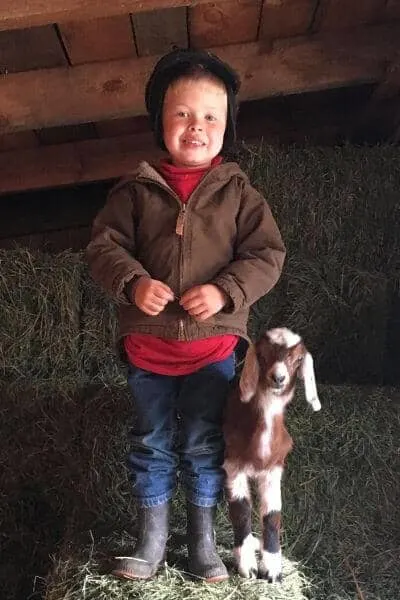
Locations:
{"points": [[183, 63]]}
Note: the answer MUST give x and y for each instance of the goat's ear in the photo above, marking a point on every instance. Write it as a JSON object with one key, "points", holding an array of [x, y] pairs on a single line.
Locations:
{"points": [[307, 374], [249, 376]]}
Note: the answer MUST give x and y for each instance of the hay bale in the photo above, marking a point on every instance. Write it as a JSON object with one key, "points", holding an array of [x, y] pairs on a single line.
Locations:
{"points": [[340, 510], [341, 312], [39, 311], [339, 202], [39, 451], [99, 361], [342, 492]]}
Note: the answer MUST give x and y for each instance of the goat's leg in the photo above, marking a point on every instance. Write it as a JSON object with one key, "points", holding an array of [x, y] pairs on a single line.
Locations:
{"points": [[245, 545], [269, 485]]}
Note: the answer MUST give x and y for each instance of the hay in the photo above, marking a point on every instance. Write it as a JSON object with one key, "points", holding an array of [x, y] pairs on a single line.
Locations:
{"points": [[82, 578], [39, 315], [341, 312], [39, 451], [99, 362], [337, 202], [341, 510]]}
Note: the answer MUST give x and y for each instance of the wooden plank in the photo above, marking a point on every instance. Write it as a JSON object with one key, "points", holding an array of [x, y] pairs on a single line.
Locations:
{"points": [[28, 13], [51, 241], [116, 127], [103, 39], [318, 117], [18, 140], [65, 134], [80, 162], [221, 23], [382, 109], [283, 18], [102, 91], [339, 14], [25, 49], [160, 31]]}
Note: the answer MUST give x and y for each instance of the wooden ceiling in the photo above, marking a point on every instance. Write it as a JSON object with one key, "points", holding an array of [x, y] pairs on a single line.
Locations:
{"points": [[72, 73]]}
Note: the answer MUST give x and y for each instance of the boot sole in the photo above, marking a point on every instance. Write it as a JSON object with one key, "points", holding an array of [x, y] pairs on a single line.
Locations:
{"points": [[217, 579], [131, 576]]}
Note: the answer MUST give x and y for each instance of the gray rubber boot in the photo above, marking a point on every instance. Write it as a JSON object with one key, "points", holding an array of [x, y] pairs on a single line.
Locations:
{"points": [[150, 546], [204, 561]]}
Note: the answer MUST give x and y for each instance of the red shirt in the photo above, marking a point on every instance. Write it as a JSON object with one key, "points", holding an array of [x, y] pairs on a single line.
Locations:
{"points": [[173, 357]]}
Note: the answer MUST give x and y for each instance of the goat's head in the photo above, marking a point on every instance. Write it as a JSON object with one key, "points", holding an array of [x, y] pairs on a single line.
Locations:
{"points": [[273, 363]]}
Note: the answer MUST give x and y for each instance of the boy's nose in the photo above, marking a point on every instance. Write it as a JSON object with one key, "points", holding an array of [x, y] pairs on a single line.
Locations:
{"points": [[195, 126]]}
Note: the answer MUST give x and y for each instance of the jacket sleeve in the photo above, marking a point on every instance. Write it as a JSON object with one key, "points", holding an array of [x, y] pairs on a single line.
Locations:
{"points": [[111, 251], [259, 253]]}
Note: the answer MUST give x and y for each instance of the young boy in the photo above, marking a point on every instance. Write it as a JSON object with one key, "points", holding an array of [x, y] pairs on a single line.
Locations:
{"points": [[185, 247]]}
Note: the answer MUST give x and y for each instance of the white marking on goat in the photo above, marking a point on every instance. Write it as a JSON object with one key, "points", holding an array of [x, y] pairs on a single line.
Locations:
{"points": [[274, 407], [310, 385], [282, 336], [271, 564], [269, 486], [246, 558], [281, 369], [239, 487]]}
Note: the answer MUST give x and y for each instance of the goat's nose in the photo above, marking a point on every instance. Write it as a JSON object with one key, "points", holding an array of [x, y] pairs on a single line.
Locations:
{"points": [[278, 378]]}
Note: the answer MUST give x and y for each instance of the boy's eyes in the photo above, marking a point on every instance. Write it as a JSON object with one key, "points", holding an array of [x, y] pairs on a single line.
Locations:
{"points": [[185, 114]]}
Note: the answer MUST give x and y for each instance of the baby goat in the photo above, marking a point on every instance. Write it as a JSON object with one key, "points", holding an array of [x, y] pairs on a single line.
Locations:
{"points": [[257, 444]]}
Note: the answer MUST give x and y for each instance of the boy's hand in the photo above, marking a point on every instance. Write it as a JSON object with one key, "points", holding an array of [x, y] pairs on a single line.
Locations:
{"points": [[204, 301], [152, 296]]}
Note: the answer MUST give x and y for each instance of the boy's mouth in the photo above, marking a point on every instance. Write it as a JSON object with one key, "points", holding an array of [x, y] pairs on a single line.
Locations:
{"points": [[193, 142]]}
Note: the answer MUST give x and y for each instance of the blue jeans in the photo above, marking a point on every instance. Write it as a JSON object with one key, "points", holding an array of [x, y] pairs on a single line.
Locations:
{"points": [[177, 428]]}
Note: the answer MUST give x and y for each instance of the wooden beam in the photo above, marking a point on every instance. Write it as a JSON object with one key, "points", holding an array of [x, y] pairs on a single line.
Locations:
{"points": [[115, 89], [320, 117], [68, 164], [157, 32], [286, 18], [382, 110], [25, 49], [225, 22], [29, 13], [338, 14], [103, 39]]}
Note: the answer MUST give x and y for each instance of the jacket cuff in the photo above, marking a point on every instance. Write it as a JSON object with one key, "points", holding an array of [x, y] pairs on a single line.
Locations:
{"points": [[234, 294], [129, 288]]}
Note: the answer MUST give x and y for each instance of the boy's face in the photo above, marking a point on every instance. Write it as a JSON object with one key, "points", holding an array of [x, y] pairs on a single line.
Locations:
{"points": [[194, 121]]}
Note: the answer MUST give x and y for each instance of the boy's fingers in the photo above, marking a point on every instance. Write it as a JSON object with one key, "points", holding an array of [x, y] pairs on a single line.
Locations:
{"points": [[164, 291], [193, 304]]}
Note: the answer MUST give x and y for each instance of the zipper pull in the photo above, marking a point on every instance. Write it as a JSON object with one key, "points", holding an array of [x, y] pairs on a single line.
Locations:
{"points": [[180, 221]]}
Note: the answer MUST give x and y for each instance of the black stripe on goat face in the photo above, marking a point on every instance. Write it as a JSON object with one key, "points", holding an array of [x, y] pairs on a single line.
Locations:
{"points": [[278, 364]]}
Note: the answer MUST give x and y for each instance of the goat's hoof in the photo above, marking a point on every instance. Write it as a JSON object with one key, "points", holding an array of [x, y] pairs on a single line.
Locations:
{"points": [[277, 579], [246, 558], [251, 573], [271, 567]]}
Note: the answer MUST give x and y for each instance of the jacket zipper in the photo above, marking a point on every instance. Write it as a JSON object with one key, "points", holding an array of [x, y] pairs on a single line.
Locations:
{"points": [[181, 330], [180, 221], [179, 227]]}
